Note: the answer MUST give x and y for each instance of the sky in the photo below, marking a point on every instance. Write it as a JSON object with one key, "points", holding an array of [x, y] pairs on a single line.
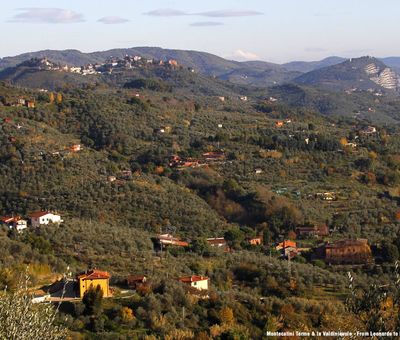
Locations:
{"points": [[277, 31]]}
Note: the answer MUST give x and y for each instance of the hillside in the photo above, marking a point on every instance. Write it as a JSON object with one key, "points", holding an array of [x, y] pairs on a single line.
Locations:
{"points": [[160, 149], [205, 63], [47, 74], [258, 73], [34, 73], [375, 107], [360, 73]]}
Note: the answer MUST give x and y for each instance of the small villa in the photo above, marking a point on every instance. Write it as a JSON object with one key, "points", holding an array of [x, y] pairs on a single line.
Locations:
{"points": [[94, 278], [39, 218], [194, 281], [165, 240]]}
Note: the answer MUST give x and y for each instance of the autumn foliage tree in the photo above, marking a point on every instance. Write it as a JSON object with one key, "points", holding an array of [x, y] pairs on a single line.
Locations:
{"points": [[226, 316], [51, 98]]}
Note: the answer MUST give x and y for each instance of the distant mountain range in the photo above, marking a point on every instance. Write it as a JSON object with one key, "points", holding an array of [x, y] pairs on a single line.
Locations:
{"points": [[256, 73], [334, 73], [363, 73]]}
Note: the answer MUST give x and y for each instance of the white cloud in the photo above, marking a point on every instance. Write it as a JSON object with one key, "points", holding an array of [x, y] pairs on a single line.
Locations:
{"points": [[47, 16], [206, 23], [245, 55], [112, 20], [229, 13], [166, 12]]}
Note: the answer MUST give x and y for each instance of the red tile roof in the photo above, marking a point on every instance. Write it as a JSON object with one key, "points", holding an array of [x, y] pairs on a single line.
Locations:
{"points": [[9, 219], [193, 278], [94, 274], [37, 214], [286, 244], [169, 239]]}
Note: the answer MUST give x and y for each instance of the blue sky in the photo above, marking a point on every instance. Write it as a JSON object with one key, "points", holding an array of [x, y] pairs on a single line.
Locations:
{"points": [[276, 31]]}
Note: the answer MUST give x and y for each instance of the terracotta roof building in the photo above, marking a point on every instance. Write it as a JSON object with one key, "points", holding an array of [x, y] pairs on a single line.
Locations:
{"points": [[43, 217], [348, 252], [165, 240], [195, 281], [94, 278], [286, 244]]}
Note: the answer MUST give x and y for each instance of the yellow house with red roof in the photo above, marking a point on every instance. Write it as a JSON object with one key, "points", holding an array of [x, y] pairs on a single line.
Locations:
{"points": [[94, 278]]}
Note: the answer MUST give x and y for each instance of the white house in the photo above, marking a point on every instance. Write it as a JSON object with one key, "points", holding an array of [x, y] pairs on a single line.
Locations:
{"points": [[44, 217], [198, 282]]}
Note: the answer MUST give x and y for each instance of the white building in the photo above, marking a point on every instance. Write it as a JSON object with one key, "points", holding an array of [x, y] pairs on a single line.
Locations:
{"points": [[198, 282], [44, 217]]}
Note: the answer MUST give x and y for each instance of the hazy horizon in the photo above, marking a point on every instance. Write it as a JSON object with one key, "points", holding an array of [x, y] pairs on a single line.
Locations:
{"points": [[239, 30]]}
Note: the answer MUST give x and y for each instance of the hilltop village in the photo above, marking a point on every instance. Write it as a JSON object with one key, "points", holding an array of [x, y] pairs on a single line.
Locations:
{"points": [[110, 65], [146, 200]]}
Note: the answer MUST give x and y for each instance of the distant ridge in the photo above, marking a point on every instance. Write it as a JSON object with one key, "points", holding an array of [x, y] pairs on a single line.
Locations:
{"points": [[255, 73], [308, 66], [259, 73]]}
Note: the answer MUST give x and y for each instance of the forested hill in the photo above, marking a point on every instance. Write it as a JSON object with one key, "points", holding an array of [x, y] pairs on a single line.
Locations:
{"points": [[358, 73]]}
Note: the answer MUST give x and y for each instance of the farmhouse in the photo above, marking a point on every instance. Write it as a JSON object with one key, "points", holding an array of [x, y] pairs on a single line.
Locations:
{"points": [[288, 249], [177, 162], [348, 252], [165, 240], [285, 244], [43, 217], [216, 242], [197, 282], [94, 278]]}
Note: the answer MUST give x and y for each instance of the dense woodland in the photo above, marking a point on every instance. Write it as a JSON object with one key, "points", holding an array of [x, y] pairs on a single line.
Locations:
{"points": [[129, 125]]}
